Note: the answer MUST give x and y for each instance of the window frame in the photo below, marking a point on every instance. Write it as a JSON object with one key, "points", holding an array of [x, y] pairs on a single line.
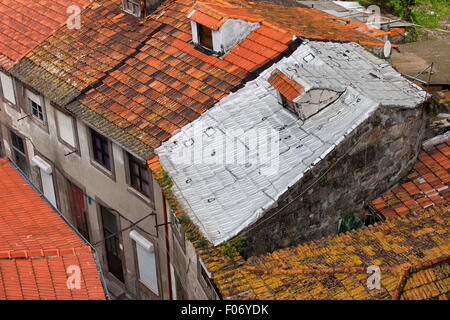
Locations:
{"points": [[30, 95], [148, 199], [105, 153], [125, 6], [74, 130], [5, 99], [98, 165], [201, 32], [23, 153], [100, 206], [34, 106], [138, 246], [143, 170]]}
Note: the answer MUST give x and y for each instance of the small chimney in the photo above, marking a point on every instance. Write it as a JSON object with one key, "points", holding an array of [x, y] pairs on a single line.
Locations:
{"points": [[140, 8], [148, 6]]}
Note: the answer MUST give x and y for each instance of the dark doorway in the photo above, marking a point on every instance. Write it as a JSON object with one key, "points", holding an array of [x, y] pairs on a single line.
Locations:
{"points": [[112, 243], [79, 210], [18, 152], [205, 36]]}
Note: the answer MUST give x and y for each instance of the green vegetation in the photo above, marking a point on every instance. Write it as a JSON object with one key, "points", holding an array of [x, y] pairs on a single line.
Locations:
{"points": [[235, 246], [202, 243], [349, 222], [414, 33], [429, 12], [426, 13]]}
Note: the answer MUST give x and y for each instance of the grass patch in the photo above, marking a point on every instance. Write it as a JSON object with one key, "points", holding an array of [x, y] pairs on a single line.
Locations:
{"points": [[426, 13]]}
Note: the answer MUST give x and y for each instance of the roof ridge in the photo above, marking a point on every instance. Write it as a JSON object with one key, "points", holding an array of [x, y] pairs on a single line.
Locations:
{"points": [[44, 253], [409, 269]]}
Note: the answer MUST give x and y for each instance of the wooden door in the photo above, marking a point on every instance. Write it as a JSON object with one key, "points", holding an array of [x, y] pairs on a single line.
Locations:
{"points": [[79, 210]]}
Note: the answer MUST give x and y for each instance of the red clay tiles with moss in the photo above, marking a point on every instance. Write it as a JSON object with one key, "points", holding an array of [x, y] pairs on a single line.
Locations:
{"points": [[26, 23]]}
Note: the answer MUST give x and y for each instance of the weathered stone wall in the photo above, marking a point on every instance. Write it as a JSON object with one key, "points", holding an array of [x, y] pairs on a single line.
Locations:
{"points": [[368, 162]]}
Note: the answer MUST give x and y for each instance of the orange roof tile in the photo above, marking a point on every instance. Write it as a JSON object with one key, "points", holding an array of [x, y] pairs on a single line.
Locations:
{"points": [[424, 187], [26, 23], [286, 86], [37, 246]]}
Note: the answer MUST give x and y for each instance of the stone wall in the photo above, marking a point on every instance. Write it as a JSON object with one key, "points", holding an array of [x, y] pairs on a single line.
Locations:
{"points": [[368, 162]]}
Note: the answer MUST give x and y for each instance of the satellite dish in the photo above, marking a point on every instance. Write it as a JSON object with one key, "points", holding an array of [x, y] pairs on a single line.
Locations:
{"points": [[387, 49]]}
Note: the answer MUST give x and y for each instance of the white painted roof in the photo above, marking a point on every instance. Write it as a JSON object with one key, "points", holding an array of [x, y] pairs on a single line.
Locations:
{"points": [[223, 197]]}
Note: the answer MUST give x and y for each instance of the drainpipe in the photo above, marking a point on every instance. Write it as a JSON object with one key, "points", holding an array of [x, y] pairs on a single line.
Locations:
{"points": [[166, 229]]}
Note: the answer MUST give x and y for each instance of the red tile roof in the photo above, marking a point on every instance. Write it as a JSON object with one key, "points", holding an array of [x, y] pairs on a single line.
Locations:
{"points": [[285, 85], [426, 186], [26, 23], [146, 78], [37, 246]]}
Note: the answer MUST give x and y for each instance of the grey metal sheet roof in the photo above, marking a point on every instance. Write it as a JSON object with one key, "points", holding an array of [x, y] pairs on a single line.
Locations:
{"points": [[224, 195]]}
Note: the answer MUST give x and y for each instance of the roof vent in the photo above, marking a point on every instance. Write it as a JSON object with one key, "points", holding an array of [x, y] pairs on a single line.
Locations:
{"points": [[140, 8], [300, 101]]}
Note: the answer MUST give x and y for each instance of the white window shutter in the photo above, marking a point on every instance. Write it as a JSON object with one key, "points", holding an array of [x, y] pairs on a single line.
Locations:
{"points": [[66, 128], [7, 88], [146, 261]]}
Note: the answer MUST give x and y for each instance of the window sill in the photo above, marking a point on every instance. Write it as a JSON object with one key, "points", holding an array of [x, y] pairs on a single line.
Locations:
{"points": [[148, 288], [106, 172], [41, 124], [11, 105], [142, 197]]}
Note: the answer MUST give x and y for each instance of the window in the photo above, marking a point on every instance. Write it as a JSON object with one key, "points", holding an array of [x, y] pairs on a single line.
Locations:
{"points": [[66, 128], [287, 104], [19, 154], [35, 105], [139, 176], [36, 110], [100, 150], [133, 7], [205, 36], [7, 88], [146, 261]]}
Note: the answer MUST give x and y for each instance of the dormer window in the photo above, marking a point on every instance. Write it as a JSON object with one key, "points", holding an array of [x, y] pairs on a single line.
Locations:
{"points": [[220, 29], [301, 102], [287, 104], [205, 36], [288, 89]]}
